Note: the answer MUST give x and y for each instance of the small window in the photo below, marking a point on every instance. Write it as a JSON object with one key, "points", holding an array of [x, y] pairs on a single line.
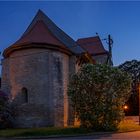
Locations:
{"points": [[24, 95]]}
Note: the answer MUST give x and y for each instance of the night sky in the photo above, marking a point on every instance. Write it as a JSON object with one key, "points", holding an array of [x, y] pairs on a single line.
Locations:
{"points": [[78, 19]]}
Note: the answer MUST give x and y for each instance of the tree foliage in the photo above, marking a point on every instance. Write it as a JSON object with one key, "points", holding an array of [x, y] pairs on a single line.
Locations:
{"points": [[6, 117], [98, 93], [133, 68]]}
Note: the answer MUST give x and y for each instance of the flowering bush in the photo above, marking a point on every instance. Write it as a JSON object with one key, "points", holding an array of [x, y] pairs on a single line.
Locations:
{"points": [[98, 93]]}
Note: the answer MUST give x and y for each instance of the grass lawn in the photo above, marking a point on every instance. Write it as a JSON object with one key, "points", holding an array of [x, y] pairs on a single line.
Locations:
{"points": [[42, 131], [128, 126], [123, 127]]}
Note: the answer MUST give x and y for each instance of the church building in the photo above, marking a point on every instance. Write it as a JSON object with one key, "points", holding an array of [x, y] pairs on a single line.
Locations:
{"points": [[36, 70]]}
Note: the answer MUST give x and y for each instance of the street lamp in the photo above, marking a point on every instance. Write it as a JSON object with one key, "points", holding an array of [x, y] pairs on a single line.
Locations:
{"points": [[125, 107]]}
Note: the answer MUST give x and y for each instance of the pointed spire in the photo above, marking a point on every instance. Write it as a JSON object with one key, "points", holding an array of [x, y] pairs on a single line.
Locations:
{"points": [[56, 31], [38, 17], [43, 30]]}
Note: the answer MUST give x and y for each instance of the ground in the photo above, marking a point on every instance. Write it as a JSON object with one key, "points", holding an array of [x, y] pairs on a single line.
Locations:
{"points": [[106, 136], [128, 129]]}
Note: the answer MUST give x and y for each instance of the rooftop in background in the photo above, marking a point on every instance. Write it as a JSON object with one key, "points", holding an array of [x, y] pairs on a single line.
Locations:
{"points": [[93, 45]]}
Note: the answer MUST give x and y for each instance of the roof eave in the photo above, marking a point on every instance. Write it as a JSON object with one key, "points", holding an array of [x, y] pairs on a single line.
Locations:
{"points": [[7, 52], [101, 53]]}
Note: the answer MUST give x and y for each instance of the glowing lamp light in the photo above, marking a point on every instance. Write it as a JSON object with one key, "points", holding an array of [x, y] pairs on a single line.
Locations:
{"points": [[125, 107]]}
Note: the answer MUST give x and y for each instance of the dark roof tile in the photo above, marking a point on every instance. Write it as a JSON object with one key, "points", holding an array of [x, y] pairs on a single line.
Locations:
{"points": [[92, 44]]}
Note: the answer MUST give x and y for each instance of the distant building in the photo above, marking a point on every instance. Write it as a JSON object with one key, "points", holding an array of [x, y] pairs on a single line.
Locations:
{"points": [[94, 47], [36, 70]]}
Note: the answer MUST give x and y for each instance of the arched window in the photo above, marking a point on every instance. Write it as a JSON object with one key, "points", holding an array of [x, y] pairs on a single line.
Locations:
{"points": [[24, 95]]}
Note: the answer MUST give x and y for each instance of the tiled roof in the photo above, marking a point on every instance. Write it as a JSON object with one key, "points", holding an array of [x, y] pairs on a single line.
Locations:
{"points": [[93, 45], [39, 34], [43, 30]]}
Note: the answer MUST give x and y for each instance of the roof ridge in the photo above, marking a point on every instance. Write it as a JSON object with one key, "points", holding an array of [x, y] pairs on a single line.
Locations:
{"points": [[89, 37]]}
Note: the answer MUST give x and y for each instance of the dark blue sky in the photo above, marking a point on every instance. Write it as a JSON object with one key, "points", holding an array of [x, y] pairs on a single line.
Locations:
{"points": [[79, 19]]}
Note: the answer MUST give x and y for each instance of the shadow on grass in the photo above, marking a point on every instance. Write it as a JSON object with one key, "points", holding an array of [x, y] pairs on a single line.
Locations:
{"points": [[43, 131]]}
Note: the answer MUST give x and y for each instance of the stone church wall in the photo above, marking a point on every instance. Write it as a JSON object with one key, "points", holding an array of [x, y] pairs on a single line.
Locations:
{"points": [[5, 81], [44, 74]]}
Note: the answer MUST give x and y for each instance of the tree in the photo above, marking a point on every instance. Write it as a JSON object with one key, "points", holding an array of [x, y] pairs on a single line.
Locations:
{"points": [[133, 68], [98, 93], [6, 116]]}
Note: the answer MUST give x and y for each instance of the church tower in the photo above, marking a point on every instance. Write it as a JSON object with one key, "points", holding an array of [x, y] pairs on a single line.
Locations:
{"points": [[35, 74]]}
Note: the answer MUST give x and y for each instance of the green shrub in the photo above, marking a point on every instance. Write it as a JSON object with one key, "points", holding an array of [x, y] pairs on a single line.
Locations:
{"points": [[98, 93]]}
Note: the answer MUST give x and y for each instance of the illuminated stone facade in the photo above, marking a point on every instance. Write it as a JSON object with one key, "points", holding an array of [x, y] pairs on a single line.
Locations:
{"points": [[45, 74]]}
